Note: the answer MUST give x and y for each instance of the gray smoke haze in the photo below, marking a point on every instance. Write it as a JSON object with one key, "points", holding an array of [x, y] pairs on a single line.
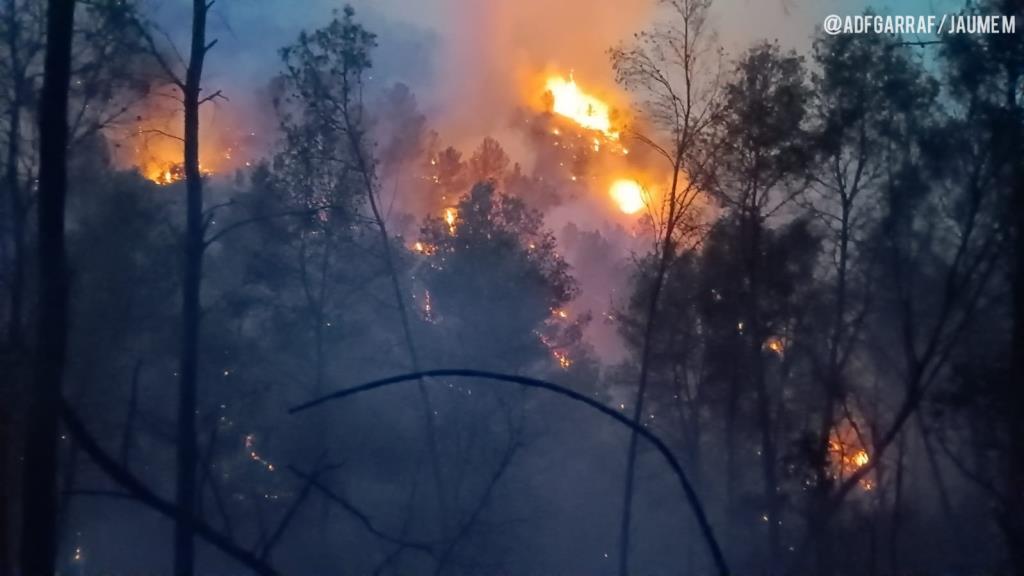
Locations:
{"points": [[471, 65]]}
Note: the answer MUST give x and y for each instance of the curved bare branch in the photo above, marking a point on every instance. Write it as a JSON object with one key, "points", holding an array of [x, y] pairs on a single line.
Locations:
{"points": [[428, 376]]}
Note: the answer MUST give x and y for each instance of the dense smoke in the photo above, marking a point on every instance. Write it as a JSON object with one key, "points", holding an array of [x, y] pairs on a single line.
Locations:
{"points": [[495, 54]]}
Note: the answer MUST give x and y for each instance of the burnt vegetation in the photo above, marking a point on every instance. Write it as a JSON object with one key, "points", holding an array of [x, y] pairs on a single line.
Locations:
{"points": [[794, 347]]}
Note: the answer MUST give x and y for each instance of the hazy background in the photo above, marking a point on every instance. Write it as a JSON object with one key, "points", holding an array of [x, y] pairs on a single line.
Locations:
{"points": [[470, 62]]}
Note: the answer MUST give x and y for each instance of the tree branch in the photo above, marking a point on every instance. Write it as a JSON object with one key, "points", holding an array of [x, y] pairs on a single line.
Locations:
{"points": [[428, 376], [144, 494], [162, 133], [214, 96], [363, 518], [290, 514]]}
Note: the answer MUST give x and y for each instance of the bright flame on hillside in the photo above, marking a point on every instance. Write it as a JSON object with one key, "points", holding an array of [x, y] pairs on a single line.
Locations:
{"points": [[159, 155], [580, 107], [153, 144], [161, 159], [450, 215], [628, 194], [166, 172]]}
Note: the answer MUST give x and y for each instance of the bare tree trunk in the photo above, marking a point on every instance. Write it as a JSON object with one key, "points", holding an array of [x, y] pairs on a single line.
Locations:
{"points": [[666, 251], [68, 479], [39, 507], [16, 206], [128, 433], [356, 141], [833, 393], [184, 545], [6, 493], [18, 214], [755, 331], [321, 306], [732, 472], [1014, 513], [15, 338], [897, 509], [689, 106], [769, 474], [1015, 486]]}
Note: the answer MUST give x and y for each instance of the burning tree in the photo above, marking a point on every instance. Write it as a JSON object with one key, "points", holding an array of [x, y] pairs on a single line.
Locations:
{"points": [[492, 243], [860, 85]]}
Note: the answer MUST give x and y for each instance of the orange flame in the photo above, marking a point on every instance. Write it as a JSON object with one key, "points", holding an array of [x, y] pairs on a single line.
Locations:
{"points": [[582, 108], [450, 215], [153, 144], [848, 454], [629, 195]]}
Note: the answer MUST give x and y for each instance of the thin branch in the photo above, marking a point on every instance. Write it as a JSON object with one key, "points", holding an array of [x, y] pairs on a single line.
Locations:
{"points": [[363, 517], [145, 495], [213, 208], [290, 514], [214, 96], [172, 77], [162, 133], [261, 218], [484, 499], [129, 421], [430, 375], [174, 47]]}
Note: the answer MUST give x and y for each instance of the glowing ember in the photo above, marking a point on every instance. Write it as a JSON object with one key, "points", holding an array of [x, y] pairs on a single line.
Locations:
{"points": [[250, 447], [580, 107], [428, 307], [424, 248], [559, 354], [166, 172], [776, 345], [564, 362], [628, 194]]}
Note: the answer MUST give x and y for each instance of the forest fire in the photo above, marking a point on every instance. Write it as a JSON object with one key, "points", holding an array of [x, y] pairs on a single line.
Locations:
{"points": [[570, 101], [437, 318], [157, 151], [166, 172], [629, 195], [163, 175], [152, 143], [450, 216], [160, 160], [585, 132], [559, 354], [847, 453]]}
